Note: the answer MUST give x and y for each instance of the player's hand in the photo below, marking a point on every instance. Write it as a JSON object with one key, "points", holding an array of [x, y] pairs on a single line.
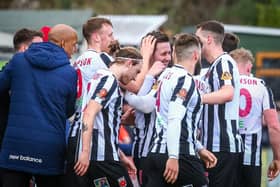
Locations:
{"points": [[156, 68], [171, 170], [208, 158], [129, 165], [128, 115], [147, 47], [82, 164], [273, 169]]}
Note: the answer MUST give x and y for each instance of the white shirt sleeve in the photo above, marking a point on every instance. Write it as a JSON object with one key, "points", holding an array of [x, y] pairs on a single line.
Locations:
{"points": [[175, 114], [145, 104], [147, 85], [198, 146]]}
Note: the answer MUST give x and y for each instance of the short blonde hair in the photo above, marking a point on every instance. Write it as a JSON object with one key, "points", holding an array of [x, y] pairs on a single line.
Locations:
{"points": [[242, 55]]}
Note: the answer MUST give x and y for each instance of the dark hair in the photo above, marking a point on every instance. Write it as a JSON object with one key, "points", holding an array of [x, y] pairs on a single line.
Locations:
{"points": [[159, 36], [231, 42], [184, 44], [94, 24], [24, 36], [114, 47], [215, 27]]}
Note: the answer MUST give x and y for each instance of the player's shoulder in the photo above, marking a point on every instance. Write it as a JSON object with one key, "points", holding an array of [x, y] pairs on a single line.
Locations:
{"points": [[180, 71], [102, 75], [106, 58], [226, 58], [261, 81], [91, 57], [89, 53], [244, 79], [104, 72]]}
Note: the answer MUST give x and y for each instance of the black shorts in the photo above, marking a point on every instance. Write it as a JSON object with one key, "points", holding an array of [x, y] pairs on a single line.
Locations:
{"points": [[72, 151], [141, 165], [191, 172], [100, 173], [250, 176], [225, 173]]}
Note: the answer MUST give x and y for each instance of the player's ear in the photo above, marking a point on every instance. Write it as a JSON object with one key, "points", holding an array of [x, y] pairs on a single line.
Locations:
{"points": [[195, 55], [95, 37], [209, 39]]}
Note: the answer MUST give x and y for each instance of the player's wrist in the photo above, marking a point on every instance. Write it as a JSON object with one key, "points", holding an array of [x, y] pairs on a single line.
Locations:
{"points": [[172, 156]]}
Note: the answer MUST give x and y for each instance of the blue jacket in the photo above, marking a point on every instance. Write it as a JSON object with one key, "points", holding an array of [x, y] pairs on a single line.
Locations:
{"points": [[43, 91], [4, 111]]}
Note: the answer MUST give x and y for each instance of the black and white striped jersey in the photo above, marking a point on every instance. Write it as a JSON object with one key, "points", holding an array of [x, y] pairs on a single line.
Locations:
{"points": [[144, 123], [143, 133], [255, 98], [178, 110], [86, 66], [104, 89], [220, 128]]}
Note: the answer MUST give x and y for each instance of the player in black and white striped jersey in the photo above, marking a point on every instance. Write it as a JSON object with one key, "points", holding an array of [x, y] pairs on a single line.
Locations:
{"points": [[94, 58], [94, 156], [144, 123], [256, 103], [178, 108], [220, 114]]}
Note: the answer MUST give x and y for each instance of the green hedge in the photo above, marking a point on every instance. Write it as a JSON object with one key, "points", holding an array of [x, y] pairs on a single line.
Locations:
{"points": [[268, 15]]}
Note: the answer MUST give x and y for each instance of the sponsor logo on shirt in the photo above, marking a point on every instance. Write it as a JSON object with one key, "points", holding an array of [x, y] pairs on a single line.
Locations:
{"points": [[182, 94], [226, 76], [102, 93]]}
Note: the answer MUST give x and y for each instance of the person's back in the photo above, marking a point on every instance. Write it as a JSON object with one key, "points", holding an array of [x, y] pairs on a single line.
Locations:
{"points": [[256, 107], [21, 40], [43, 92], [254, 99], [252, 94]]}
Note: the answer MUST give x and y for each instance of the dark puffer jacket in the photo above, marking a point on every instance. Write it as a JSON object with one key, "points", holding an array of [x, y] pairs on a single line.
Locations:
{"points": [[43, 91]]}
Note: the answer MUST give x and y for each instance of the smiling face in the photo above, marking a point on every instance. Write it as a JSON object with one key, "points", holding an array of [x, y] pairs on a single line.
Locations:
{"points": [[162, 53]]}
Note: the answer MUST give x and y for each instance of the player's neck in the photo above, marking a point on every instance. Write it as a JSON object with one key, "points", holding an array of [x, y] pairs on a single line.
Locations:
{"points": [[116, 70], [215, 53], [94, 47], [188, 65]]}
